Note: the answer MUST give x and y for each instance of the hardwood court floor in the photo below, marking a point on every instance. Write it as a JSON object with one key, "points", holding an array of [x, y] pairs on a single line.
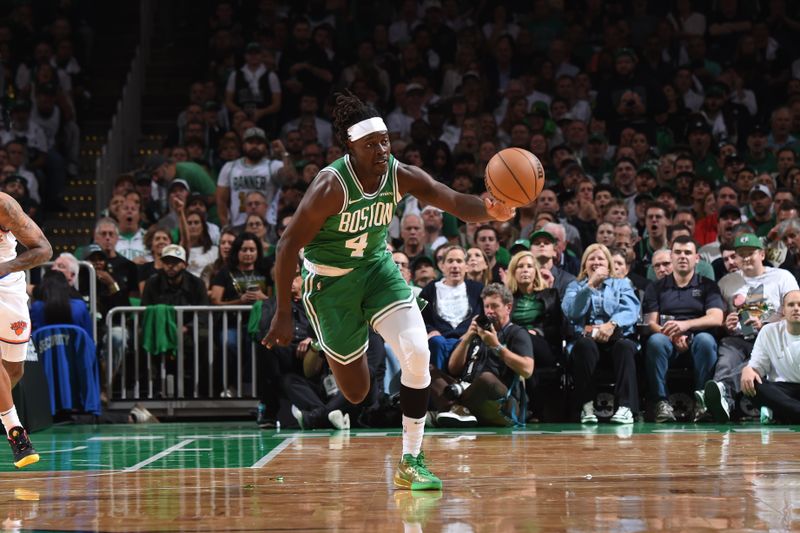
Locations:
{"points": [[233, 477]]}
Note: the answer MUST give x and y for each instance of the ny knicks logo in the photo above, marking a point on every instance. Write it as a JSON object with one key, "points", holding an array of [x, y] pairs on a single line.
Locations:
{"points": [[19, 327]]}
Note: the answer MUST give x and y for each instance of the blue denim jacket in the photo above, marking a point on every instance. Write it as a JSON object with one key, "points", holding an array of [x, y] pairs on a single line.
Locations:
{"points": [[615, 300]]}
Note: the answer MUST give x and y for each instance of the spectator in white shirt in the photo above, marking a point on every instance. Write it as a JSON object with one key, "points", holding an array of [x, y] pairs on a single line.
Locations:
{"points": [[758, 290], [40, 157], [432, 220], [131, 237], [772, 377]]}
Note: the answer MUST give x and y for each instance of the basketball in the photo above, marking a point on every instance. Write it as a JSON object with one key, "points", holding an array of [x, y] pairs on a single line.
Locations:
{"points": [[514, 177]]}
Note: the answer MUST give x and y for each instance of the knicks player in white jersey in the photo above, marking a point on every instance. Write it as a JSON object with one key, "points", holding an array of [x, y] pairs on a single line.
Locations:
{"points": [[252, 172], [15, 322]]}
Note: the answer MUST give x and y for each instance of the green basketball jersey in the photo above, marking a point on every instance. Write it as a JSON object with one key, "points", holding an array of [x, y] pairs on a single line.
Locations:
{"points": [[357, 234]]}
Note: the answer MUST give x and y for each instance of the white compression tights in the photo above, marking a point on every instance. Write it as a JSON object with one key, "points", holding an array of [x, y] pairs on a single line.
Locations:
{"points": [[405, 333]]}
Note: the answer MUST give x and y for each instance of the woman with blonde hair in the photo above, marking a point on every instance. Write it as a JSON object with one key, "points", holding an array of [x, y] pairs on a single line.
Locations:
{"points": [[536, 303], [537, 308], [603, 311]]}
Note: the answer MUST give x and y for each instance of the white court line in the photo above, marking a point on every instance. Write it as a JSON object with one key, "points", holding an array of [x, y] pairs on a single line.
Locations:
{"points": [[222, 436], [132, 437], [158, 456], [765, 430], [274, 453], [301, 435], [689, 430], [75, 449], [439, 433], [558, 432]]}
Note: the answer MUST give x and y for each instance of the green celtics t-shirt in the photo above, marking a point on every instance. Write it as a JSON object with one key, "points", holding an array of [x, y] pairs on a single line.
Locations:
{"points": [[199, 182], [527, 311], [705, 167], [357, 234], [768, 163]]}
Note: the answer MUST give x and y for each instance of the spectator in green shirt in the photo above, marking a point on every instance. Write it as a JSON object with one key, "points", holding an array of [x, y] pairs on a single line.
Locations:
{"points": [[758, 156], [164, 170]]}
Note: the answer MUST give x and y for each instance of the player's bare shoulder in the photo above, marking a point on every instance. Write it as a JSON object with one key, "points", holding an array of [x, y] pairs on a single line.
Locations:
{"points": [[326, 193], [26, 231], [11, 213]]}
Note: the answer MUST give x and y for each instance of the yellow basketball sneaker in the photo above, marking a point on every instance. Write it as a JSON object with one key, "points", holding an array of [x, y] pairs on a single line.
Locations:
{"points": [[412, 474], [24, 454]]}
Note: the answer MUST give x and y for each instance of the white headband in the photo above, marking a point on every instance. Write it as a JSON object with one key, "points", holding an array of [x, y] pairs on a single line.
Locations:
{"points": [[365, 127]]}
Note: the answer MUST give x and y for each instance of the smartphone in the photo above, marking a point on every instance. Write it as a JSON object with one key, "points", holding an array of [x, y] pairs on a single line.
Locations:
{"points": [[747, 329], [252, 288]]}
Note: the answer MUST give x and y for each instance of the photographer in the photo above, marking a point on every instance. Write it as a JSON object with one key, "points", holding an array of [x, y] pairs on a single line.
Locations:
{"points": [[489, 358]]}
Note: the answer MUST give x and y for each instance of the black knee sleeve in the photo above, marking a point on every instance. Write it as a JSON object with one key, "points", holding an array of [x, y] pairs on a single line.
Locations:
{"points": [[414, 402]]}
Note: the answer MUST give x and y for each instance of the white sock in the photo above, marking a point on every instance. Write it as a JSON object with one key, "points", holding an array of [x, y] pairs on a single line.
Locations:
{"points": [[10, 419], [413, 431]]}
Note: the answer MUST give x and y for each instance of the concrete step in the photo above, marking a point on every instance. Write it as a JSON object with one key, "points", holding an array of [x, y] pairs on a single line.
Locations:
{"points": [[77, 216], [81, 191], [71, 232]]}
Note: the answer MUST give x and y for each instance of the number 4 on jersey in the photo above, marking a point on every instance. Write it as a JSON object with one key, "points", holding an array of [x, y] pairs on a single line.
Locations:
{"points": [[357, 244]]}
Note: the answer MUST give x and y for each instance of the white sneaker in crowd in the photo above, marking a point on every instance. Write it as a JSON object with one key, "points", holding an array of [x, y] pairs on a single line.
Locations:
{"points": [[623, 416], [588, 415]]}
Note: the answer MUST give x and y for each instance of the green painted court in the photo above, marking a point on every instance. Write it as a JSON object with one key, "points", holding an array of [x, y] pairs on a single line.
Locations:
{"points": [[242, 445]]}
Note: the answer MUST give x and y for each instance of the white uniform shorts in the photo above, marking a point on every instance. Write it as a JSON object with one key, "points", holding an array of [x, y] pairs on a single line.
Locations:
{"points": [[15, 319]]}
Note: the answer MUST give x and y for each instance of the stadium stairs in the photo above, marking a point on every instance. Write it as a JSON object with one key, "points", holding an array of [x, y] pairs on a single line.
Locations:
{"points": [[174, 62]]}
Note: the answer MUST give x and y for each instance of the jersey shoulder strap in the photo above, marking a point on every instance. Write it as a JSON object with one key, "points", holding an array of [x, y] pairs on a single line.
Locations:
{"points": [[339, 169]]}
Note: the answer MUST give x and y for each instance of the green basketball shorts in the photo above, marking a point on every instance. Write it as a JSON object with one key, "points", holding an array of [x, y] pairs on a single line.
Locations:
{"points": [[340, 308]]}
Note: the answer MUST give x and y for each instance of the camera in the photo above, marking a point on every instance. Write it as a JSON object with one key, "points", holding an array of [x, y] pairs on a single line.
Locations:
{"points": [[484, 322], [455, 390]]}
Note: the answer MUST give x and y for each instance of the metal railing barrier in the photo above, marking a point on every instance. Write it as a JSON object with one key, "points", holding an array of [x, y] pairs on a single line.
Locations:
{"points": [[83, 265], [214, 364]]}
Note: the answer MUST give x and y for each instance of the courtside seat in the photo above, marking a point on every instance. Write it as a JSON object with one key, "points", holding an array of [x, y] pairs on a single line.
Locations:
{"points": [[69, 359]]}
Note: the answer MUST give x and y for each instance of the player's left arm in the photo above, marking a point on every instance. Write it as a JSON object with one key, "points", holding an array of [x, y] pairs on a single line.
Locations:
{"points": [[14, 219], [467, 207]]}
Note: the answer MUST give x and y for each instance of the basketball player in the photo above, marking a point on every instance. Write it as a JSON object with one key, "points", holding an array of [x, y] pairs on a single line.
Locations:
{"points": [[15, 322], [349, 279]]}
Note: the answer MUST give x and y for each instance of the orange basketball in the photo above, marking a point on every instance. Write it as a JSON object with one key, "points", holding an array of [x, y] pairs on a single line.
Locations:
{"points": [[514, 177]]}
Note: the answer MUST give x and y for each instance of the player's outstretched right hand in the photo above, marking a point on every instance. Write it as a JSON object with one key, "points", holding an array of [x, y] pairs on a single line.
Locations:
{"points": [[280, 330], [498, 210]]}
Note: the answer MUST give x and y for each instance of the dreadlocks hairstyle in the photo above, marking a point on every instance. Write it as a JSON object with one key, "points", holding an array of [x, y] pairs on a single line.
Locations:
{"points": [[349, 110]]}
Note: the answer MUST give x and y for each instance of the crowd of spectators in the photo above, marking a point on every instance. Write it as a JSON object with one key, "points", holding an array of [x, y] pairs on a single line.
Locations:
{"points": [[42, 91], [669, 132]]}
